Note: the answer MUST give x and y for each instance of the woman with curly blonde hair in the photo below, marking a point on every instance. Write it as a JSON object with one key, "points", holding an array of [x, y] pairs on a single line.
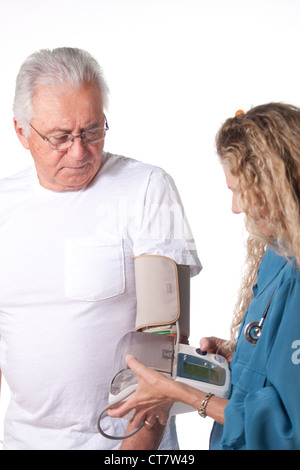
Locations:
{"points": [[261, 150], [260, 155]]}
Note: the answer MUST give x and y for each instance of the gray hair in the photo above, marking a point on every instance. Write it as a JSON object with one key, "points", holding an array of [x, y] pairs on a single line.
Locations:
{"points": [[60, 66]]}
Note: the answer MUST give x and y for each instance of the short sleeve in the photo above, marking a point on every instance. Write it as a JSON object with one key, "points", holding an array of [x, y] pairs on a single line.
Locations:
{"points": [[164, 226]]}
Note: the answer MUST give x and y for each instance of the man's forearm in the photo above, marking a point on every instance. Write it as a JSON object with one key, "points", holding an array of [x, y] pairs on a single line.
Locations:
{"points": [[146, 439]]}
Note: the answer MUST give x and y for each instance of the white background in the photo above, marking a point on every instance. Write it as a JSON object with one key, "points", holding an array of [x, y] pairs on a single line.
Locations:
{"points": [[176, 70]]}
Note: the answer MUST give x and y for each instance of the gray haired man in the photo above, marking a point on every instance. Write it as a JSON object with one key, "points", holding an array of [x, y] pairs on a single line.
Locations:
{"points": [[67, 258]]}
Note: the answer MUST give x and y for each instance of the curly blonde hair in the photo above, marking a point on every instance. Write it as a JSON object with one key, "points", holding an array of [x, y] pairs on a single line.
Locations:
{"points": [[262, 150]]}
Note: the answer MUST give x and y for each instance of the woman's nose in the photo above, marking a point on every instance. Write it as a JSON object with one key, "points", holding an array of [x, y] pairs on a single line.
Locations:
{"points": [[235, 205]]}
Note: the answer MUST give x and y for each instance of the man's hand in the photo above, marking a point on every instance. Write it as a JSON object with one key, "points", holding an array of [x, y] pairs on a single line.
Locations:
{"points": [[148, 438]]}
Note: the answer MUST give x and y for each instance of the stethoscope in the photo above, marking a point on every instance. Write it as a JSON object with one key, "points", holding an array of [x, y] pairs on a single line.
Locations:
{"points": [[252, 331]]}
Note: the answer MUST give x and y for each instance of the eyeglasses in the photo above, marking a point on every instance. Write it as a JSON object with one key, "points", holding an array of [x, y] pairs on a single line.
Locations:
{"points": [[62, 142]]}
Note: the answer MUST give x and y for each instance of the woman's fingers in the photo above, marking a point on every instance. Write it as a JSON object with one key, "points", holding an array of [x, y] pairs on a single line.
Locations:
{"points": [[136, 366], [216, 346]]}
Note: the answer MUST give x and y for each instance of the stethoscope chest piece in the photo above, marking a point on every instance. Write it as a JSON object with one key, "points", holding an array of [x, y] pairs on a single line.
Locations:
{"points": [[252, 332]]}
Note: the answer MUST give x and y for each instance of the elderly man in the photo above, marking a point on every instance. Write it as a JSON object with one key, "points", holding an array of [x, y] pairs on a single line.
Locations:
{"points": [[70, 227]]}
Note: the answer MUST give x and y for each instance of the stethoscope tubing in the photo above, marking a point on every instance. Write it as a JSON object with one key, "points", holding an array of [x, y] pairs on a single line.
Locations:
{"points": [[108, 436]]}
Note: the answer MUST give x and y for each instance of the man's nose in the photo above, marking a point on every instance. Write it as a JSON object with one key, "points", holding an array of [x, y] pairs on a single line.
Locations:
{"points": [[78, 148]]}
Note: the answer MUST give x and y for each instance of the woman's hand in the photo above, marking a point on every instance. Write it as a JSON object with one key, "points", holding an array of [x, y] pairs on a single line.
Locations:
{"points": [[217, 346], [152, 399], [155, 393]]}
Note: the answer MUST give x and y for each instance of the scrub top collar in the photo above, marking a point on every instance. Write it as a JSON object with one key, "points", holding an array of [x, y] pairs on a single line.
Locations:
{"points": [[270, 266]]}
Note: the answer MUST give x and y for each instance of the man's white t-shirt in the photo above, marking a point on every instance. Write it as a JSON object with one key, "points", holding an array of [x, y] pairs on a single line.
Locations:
{"points": [[67, 294]]}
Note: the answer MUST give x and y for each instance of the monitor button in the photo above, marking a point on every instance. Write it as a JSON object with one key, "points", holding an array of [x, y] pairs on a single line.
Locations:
{"points": [[202, 353]]}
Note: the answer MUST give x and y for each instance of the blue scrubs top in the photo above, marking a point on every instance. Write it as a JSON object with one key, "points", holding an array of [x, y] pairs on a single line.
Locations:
{"points": [[263, 412]]}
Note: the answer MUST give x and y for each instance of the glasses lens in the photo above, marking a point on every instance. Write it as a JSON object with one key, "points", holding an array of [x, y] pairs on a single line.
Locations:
{"points": [[94, 135], [60, 142]]}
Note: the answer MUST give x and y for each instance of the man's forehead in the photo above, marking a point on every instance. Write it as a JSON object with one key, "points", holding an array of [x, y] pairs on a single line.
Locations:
{"points": [[61, 106]]}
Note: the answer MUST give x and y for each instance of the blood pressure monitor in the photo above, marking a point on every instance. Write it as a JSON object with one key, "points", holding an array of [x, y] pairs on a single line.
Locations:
{"points": [[163, 307], [204, 371]]}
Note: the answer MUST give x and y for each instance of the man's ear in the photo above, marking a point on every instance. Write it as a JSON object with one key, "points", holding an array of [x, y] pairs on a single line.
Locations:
{"points": [[21, 134]]}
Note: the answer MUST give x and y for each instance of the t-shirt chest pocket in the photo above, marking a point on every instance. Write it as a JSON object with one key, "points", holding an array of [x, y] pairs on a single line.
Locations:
{"points": [[94, 269]]}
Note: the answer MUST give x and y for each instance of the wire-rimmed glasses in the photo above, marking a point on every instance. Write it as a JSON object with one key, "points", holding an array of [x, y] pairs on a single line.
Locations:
{"points": [[63, 142]]}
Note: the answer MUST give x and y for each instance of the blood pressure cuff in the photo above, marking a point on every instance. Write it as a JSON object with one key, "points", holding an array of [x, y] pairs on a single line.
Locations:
{"points": [[163, 293]]}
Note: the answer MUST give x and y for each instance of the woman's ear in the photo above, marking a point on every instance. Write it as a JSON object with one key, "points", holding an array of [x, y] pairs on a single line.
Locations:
{"points": [[21, 134]]}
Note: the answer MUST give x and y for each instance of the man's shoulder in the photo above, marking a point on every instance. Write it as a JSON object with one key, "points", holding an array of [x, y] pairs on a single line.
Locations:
{"points": [[114, 163], [16, 180]]}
